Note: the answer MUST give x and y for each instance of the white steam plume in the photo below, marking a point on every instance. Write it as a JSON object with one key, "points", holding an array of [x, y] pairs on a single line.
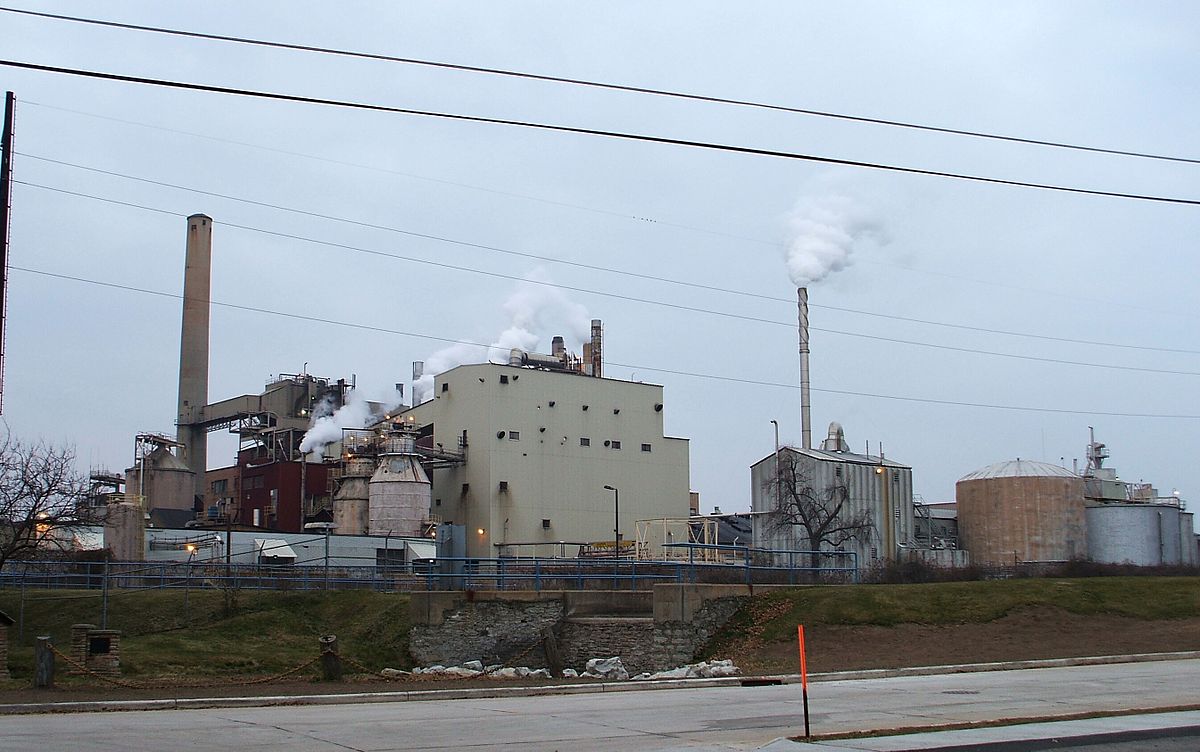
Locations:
{"points": [[534, 311], [327, 423], [824, 232]]}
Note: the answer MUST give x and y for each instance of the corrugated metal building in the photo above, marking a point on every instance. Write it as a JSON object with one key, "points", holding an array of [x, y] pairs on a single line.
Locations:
{"points": [[880, 487]]}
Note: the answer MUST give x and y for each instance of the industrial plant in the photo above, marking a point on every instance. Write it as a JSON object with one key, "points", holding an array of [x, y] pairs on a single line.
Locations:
{"points": [[543, 456]]}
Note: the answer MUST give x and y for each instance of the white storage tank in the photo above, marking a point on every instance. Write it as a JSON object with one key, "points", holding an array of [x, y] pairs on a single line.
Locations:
{"points": [[1146, 535]]}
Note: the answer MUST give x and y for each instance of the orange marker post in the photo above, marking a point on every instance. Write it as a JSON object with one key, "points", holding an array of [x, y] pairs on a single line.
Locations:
{"points": [[803, 675]]}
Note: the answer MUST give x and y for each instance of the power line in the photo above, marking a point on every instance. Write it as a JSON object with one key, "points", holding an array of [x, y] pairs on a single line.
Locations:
{"points": [[628, 298], [602, 85], [668, 223], [712, 146], [595, 267], [689, 374]]}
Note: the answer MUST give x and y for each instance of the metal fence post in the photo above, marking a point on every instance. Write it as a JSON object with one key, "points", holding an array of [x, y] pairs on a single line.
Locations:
{"points": [[537, 575], [104, 599]]}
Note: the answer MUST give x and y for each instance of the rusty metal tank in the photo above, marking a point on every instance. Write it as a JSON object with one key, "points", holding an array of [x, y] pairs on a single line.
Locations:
{"points": [[1021, 511]]}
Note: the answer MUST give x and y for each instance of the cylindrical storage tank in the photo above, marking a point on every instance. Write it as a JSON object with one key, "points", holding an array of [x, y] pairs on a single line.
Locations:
{"points": [[400, 495], [125, 531], [350, 512], [1145, 535], [1021, 511], [169, 483], [1189, 554]]}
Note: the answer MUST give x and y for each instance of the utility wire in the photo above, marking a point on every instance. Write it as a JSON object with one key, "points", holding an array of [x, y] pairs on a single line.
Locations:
{"points": [[599, 85], [663, 223], [690, 374], [594, 267], [628, 298], [712, 146]]}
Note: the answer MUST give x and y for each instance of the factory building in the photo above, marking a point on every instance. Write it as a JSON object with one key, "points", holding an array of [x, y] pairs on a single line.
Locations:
{"points": [[553, 452], [877, 491]]}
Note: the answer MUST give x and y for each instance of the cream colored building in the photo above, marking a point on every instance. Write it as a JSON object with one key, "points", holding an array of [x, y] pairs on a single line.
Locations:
{"points": [[540, 447]]}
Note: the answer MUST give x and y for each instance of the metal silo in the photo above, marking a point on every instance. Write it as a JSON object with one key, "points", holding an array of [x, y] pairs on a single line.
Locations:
{"points": [[350, 500], [1021, 511], [1146, 535], [400, 491], [1188, 552]]}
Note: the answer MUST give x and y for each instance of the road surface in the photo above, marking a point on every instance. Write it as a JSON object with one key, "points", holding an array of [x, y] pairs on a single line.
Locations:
{"points": [[719, 718]]}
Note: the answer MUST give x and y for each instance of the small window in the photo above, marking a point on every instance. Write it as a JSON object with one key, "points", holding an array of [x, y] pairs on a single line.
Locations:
{"points": [[645, 447], [503, 378], [837, 471], [545, 524], [616, 444], [514, 435], [437, 502], [445, 386], [584, 441]]}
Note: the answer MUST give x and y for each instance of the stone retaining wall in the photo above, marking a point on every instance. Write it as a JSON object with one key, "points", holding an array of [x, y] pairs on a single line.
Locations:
{"points": [[650, 631]]}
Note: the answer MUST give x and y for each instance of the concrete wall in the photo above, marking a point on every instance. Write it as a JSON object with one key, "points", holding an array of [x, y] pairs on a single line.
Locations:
{"points": [[524, 429]]}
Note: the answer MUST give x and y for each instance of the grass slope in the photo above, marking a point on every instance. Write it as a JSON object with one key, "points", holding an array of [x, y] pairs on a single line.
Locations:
{"points": [[261, 633], [773, 616]]}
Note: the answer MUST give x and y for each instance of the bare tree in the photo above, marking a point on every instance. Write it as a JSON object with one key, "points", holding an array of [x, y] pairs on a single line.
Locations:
{"points": [[40, 492], [822, 513]]}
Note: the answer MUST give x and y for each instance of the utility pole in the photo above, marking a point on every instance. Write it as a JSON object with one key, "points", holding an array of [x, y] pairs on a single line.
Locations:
{"points": [[6, 143]]}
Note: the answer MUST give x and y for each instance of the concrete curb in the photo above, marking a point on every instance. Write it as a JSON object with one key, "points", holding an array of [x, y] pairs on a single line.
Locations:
{"points": [[196, 703]]}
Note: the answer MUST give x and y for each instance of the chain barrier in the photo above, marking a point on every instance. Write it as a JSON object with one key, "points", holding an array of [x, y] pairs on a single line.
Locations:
{"points": [[85, 670], [203, 685]]}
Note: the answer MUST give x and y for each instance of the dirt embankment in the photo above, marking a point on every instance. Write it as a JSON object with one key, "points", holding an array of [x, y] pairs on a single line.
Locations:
{"points": [[1030, 633]]}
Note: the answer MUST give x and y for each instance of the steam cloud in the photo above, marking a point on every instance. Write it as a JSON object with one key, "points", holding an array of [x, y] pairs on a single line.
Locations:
{"points": [[327, 421], [824, 232], [533, 311]]}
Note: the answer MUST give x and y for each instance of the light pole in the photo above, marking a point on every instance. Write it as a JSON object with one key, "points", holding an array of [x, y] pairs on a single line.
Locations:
{"points": [[187, 580], [616, 520], [328, 528]]}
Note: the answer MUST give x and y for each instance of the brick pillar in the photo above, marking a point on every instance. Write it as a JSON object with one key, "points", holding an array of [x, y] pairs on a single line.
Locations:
{"points": [[3, 652], [79, 646], [104, 651]]}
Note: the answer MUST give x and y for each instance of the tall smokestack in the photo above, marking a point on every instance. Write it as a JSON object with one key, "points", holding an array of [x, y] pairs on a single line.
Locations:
{"points": [[193, 347], [597, 348], [805, 405]]}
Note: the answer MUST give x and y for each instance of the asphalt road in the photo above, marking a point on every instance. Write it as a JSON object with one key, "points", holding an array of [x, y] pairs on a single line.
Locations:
{"points": [[722, 718]]}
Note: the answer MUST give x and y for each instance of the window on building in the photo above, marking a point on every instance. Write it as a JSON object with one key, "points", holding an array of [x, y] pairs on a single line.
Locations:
{"points": [[645, 447], [219, 487], [514, 435], [545, 524], [615, 444], [584, 441], [503, 378], [445, 386]]}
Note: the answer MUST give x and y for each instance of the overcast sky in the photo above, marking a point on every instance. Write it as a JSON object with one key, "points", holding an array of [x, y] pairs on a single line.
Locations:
{"points": [[92, 366]]}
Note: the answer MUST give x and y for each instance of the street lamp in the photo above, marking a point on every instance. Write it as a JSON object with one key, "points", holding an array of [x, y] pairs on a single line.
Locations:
{"points": [[616, 520]]}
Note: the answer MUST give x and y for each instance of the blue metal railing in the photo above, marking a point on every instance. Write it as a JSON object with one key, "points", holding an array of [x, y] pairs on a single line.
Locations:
{"points": [[735, 564]]}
